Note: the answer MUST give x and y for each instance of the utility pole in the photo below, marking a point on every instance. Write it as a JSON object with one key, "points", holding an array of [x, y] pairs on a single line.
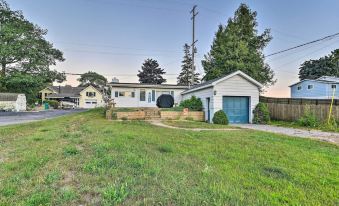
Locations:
{"points": [[194, 14]]}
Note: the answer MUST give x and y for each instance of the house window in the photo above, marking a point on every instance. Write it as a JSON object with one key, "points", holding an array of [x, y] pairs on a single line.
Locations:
{"points": [[116, 94], [299, 88], [90, 94], [133, 94], [333, 86], [142, 95], [153, 95], [310, 86], [121, 94], [172, 93]]}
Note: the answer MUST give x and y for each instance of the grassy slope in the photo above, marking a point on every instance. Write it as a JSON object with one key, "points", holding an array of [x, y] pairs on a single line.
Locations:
{"points": [[84, 159]]}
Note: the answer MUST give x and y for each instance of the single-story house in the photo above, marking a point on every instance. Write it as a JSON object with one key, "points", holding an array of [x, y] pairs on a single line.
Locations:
{"points": [[143, 95], [321, 88], [82, 97], [237, 94], [12, 102]]}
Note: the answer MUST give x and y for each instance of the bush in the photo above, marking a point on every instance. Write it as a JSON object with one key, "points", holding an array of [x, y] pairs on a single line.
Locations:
{"points": [[193, 104], [52, 103], [261, 114], [308, 119], [220, 118]]}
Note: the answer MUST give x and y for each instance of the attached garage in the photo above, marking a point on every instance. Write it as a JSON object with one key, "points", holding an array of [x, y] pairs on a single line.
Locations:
{"points": [[236, 94], [90, 103]]}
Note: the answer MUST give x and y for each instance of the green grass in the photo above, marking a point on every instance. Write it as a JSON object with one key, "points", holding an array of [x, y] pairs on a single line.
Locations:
{"points": [[321, 127], [195, 124], [83, 159]]}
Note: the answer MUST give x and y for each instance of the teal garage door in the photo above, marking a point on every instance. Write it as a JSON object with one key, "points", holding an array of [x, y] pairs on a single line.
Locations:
{"points": [[237, 109]]}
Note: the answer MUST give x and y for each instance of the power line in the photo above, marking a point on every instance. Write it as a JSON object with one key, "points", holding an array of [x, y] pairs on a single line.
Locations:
{"points": [[301, 45]]}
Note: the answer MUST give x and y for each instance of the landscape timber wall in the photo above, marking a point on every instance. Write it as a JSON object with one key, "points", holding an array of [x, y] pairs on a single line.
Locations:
{"points": [[142, 115], [192, 115], [289, 109]]}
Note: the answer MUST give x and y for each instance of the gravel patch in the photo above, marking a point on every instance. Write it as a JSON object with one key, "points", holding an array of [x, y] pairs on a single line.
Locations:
{"points": [[312, 134]]}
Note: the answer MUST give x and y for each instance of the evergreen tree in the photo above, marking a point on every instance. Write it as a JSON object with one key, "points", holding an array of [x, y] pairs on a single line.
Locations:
{"points": [[237, 46], [187, 76], [151, 73], [325, 66]]}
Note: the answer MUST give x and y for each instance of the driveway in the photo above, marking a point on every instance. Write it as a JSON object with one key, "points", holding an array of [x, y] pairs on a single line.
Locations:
{"points": [[313, 134], [8, 118]]}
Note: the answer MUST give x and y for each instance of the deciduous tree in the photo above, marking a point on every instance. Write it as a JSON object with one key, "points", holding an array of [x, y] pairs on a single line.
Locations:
{"points": [[23, 46], [92, 78], [324, 66]]}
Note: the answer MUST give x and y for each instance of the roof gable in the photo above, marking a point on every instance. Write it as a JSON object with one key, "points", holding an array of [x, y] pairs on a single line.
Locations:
{"points": [[213, 82], [8, 96]]}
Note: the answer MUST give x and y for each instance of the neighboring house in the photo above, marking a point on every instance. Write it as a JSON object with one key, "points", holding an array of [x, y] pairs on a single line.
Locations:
{"points": [[143, 95], [321, 88], [82, 97], [12, 102], [236, 94]]}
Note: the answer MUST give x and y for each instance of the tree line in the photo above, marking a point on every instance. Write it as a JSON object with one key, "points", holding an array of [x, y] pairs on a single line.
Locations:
{"points": [[26, 56]]}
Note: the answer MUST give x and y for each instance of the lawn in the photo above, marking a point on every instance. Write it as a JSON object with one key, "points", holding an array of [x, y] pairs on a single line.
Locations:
{"points": [[194, 124], [83, 159]]}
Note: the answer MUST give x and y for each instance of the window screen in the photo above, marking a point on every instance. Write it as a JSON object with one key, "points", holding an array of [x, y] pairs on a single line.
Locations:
{"points": [[153, 95]]}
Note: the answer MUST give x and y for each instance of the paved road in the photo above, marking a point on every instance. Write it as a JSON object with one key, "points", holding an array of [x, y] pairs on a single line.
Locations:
{"points": [[313, 134], [8, 118]]}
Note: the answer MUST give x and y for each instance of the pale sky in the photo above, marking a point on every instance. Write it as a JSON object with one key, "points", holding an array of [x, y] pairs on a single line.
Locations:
{"points": [[114, 37]]}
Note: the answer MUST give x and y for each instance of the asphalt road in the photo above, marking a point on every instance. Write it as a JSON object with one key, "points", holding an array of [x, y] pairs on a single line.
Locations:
{"points": [[8, 118]]}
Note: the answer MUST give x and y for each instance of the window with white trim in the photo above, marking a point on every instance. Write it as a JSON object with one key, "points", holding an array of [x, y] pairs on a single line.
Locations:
{"points": [[299, 87], [90, 94], [310, 86], [334, 86]]}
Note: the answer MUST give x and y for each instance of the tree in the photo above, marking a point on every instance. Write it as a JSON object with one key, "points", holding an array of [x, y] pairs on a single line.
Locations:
{"points": [[19, 82], [23, 47], [237, 46], [92, 78], [324, 66], [187, 76], [151, 73]]}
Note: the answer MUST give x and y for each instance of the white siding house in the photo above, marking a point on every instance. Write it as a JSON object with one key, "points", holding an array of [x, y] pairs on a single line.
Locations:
{"points": [[237, 94], [12, 102], [143, 95]]}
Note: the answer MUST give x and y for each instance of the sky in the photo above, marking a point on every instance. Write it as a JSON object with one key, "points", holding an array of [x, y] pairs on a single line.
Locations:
{"points": [[114, 37]]}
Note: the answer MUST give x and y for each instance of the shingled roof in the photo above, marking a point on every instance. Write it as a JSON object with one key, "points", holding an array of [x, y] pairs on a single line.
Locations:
{"points": [[8, 96]]}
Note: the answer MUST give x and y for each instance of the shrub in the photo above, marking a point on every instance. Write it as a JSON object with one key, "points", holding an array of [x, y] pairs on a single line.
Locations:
{"points": [[261, 114], [194, 104], [220, 118], [308, 119], [52, 103]]}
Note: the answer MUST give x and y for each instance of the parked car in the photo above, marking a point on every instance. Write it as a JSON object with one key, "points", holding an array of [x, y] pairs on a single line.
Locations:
{"points": [[67, 105]]}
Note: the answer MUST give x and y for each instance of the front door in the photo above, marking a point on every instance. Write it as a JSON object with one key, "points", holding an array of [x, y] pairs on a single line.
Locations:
{"points": [[236, 109]]}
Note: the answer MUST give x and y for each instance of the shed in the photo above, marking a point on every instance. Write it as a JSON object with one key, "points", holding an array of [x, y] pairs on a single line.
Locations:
{"points": [[236, 94], [12, 102]]}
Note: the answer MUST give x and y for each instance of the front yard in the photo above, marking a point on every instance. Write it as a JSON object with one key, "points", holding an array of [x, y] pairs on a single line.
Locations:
{"points": [[85, 159]]}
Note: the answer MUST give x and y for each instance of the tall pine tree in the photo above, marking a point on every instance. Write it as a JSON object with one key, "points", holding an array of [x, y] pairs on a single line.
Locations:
{"points": [[237, 46], [187, 76], [151, 73]]}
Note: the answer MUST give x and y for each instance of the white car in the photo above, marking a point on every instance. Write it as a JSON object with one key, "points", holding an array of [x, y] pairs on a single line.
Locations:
{"points": [[67, 105]]}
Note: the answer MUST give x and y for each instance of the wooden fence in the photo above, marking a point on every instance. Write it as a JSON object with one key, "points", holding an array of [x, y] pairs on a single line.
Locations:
{"points": [[289, 109]]}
